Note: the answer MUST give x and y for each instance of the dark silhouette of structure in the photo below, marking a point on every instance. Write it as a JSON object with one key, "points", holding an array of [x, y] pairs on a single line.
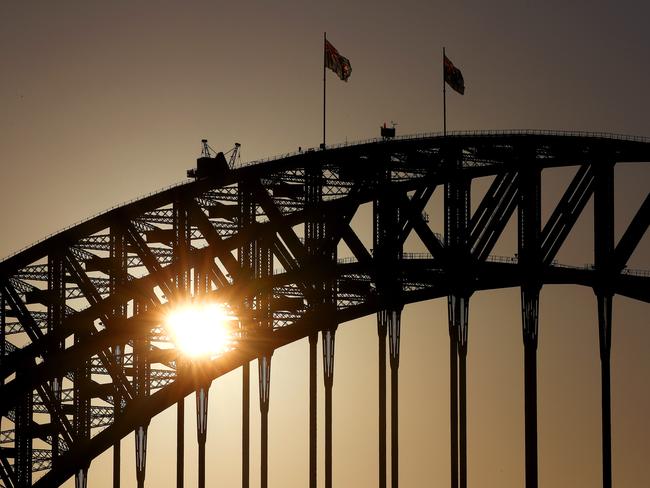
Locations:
{"points": [[85, 359]]}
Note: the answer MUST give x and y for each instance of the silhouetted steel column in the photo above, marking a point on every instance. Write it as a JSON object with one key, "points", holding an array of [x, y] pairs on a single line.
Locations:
{"points": [[182, 244], [603, 259], [530, 315], [459, 321], [81, 478], [56, 310], [381, 342], [22, 434], [118, 274], [530, 264], [202, 286], [457, 218], [81, 404], [264, 269], [313, 411], [117, 408], [245, 436], [202, 429], [140, 454], [247, 263], [393, 321], [321, 252], [387, 254], [180, 442], [605, 337], [453, 401], [462, 416], [264, 368], [117, 456], [141, 380], [328, 376]]}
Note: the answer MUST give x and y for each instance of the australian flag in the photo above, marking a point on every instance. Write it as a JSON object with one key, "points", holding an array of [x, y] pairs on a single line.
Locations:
{"points": [[453, 76], [337, 63]]}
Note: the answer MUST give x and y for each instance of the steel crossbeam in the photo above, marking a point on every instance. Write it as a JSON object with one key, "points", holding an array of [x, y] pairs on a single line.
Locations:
{"points": [[492, 215], [566, 213]]}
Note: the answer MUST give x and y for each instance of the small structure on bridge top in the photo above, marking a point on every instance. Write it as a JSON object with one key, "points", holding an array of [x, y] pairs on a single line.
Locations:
{"points": [[211, 166], [388, 132]]}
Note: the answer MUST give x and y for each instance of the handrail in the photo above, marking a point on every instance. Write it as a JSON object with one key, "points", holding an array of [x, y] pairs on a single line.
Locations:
{"points": [[493, 259], [96, 214], [460, 133]]}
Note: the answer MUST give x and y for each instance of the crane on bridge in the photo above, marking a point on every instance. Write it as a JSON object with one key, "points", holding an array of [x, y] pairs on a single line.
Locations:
{"points": [[209, 165]]}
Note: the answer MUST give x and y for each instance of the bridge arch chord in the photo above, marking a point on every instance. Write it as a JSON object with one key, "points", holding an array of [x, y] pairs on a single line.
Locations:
{"points": [[86, 360]]}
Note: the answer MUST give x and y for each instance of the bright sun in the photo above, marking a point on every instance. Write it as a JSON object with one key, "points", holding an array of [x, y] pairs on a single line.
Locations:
{"points": [[201, 329]]}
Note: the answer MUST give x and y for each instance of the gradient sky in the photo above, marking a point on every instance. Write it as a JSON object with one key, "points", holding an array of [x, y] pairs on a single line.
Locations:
{"points": [[101, 102]]}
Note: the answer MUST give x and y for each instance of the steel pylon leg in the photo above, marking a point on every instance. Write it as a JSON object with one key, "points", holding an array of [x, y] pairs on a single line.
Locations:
{"points": [[390, 320], [381, 336], [605, 336], [246, 405], [313, 406], [141, 380], [180, 443], [458, 311], [140, 454], [202, 429], [453, 404], [117, 277], [81, 478], [394, 323], [22, 438], [462, 415], [182, 244], [530, 318], [117, 455], [328, 376], [264, 368], [604, 252]]}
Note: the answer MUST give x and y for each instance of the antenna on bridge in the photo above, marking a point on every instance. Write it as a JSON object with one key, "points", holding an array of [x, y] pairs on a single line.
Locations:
{"points": [[234, 155], [205, 149]]}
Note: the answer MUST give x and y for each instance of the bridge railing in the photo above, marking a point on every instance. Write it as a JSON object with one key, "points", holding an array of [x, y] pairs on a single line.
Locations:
{"points": [[431, 135], [97, 214], [493, 259]]}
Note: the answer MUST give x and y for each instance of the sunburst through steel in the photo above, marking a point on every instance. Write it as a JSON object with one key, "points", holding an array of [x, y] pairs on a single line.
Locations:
{"points": [[202, 329]]}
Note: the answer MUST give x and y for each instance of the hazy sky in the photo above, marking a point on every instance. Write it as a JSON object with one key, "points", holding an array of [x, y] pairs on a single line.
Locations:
{"points": [[101, 102]]}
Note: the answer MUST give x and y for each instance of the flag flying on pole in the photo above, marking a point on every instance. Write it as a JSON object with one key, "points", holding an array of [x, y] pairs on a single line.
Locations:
{"points": [[454, 77], [337, 63]]}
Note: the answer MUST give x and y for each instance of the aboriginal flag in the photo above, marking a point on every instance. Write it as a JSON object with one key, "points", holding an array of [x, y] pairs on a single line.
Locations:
{"points": [[453, 76], [337, 63]]}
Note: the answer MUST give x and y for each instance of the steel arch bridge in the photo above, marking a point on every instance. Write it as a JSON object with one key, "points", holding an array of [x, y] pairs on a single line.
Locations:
{"points": [[86, 360]]}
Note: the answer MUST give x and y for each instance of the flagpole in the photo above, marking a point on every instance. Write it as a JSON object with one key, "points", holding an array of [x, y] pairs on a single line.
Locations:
{"points": [[444, 96], [324, 86]]}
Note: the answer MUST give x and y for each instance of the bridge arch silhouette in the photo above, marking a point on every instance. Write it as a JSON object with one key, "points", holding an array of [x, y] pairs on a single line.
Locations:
{"points": [[85, 359]]}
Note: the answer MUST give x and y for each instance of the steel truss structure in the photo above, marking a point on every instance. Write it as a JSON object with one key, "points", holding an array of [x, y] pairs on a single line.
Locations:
{"points": [[86, 360]]}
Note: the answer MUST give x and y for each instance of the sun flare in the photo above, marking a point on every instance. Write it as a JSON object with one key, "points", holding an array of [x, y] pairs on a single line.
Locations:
{"points": [[201, 329]]}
